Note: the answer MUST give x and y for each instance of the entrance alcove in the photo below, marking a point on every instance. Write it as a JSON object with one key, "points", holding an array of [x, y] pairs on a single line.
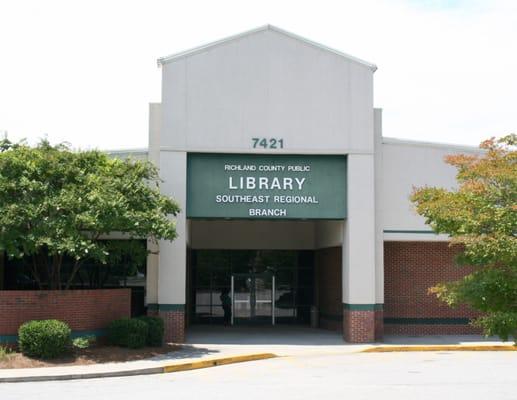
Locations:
{"points": [[274, 270]]}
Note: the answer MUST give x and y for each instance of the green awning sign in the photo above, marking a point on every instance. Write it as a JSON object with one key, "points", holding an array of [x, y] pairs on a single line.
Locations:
{"points": [[266, 186]]}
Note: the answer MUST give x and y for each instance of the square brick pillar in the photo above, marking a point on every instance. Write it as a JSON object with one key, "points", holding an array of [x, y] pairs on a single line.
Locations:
{"points": [[174, 321], [379, 325], [358, 326], [362, 323], [174, 326]]}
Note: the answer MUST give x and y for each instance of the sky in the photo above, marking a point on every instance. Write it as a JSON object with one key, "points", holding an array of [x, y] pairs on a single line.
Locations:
{"points": [[84, 72]]}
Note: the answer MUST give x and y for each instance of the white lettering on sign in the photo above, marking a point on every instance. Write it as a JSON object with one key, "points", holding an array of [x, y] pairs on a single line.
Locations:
{"points": [[298, 168], [234, 167], [263, 212], [250, 183], [295, 199], [238, 198], [295, 182], [271, 168], [267, 168], [299, 182]]}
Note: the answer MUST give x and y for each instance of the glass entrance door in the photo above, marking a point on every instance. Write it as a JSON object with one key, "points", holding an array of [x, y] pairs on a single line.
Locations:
{"points": [[253, 299]]}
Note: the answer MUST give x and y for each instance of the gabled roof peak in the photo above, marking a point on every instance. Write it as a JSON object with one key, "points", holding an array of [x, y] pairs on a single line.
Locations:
{"points": [[199, 49]]}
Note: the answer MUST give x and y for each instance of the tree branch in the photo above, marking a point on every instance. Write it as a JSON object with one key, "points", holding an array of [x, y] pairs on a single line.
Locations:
{"points": [[76, 267]]}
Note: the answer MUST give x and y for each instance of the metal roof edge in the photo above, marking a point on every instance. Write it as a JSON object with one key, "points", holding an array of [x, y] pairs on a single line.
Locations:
{"points": [[320, 46], [408, 142], [198, 49]]}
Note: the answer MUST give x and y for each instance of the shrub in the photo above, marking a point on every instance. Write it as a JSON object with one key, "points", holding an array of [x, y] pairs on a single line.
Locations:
{"points": [[155, 331], [83, 342], [44, 339], [136, 340], [127, 332]]}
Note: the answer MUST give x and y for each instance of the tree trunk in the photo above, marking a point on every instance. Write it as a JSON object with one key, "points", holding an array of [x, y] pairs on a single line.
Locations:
{"points": [[76, 267], [34, 271]]}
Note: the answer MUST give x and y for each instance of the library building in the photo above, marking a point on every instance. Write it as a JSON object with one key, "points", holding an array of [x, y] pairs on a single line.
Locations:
{"points": [[295, 208]]}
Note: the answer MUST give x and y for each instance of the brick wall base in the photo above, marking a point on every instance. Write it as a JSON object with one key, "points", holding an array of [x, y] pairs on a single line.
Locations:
{"points": [[174, 324], [359, 326], [379, 325], [410, 269], [83, 310]]}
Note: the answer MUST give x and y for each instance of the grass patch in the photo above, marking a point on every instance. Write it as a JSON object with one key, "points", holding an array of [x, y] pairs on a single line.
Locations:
{"points": [[5, 352]]}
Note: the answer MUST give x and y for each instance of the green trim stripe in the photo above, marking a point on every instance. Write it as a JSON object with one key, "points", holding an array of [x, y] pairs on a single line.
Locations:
{"points": [[74, 334], [426, 321], [8, 339], [166, 307], [363, 307]]}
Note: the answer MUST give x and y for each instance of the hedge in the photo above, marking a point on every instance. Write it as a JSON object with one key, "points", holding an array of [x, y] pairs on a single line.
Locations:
{"points": [[44, 339], [126, 332], [155, 331]]}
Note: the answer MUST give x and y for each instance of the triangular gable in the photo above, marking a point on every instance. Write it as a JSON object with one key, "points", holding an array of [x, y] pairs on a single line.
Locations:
{"points": [[200, 49]]}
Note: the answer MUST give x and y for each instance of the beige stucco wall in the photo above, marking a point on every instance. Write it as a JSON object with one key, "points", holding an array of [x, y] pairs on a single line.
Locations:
{"points": [[269, 84], [406, 165]]}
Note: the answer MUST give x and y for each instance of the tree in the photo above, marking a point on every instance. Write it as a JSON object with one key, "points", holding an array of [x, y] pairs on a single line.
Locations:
{"points": [[56, 203], [126, 258], [481, 216]]}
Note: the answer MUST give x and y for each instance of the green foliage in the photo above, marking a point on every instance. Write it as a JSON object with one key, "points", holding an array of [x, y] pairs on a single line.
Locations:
{"points": [[481, 216], [126, 258], [83, 342], [136, 340], [127, 332], [44, 339], [55, 203], [5, 352], [502, 324], [131, 255], [155, 331]]}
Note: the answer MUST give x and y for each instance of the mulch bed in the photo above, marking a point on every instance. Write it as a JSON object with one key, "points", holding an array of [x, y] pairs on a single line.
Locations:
{"points": [[94, 355]]}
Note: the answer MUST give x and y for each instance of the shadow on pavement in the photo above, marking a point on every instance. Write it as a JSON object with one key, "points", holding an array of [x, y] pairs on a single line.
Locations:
{"points": [[269, 335], [186, 351]]}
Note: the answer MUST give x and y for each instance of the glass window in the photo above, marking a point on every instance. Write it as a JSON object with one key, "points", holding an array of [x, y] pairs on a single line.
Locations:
{"points": [[211, 271]]}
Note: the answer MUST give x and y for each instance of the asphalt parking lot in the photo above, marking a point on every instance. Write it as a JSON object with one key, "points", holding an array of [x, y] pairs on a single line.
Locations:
{"points": [[418, 375]]}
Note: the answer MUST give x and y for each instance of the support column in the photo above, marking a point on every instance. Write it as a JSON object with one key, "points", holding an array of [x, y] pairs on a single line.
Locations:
{"points": [[379, 234], [359, 269], [173, 255], [151, 276], [153, 257]]}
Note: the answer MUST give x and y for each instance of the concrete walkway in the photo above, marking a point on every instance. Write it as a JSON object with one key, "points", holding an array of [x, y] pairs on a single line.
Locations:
{"points": [[212, 343], [281, 340], [444, 340], [299, 340]]}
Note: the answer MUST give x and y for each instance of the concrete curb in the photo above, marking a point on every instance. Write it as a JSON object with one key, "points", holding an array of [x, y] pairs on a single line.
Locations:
{"points": [[213, 362], [395, 349], [217, 361]]}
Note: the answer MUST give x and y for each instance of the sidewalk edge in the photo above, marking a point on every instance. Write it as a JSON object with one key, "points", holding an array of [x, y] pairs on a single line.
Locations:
{"points": [[213, 362], [393, 349]]}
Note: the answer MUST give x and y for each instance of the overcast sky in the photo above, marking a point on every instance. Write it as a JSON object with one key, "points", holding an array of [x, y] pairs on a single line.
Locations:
{"points": [[85, 71]]}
